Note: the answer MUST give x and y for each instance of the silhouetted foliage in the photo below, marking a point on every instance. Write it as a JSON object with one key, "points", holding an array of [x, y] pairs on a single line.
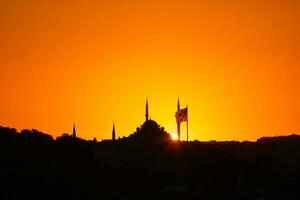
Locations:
{"points": [[146, 165]]}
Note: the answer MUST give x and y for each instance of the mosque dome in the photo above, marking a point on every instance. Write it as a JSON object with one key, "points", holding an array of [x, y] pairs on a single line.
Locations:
{"points": [[150, 124], [150, 131]]}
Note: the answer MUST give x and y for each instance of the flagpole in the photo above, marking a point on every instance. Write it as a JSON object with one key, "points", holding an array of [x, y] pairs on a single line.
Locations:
{"points": [[187, 124]]}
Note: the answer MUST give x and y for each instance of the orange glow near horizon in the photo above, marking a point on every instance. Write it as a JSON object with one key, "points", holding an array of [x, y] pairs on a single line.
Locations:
{"points": [[234, 63], [174, 136]]}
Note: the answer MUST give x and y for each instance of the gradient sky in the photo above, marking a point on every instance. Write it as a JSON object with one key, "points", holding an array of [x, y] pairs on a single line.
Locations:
{"points": [[234, 63]]}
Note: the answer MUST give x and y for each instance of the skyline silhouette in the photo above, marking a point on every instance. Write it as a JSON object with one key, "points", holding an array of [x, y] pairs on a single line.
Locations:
{"points": [[145, 99], [181, 115], [148, 164]]}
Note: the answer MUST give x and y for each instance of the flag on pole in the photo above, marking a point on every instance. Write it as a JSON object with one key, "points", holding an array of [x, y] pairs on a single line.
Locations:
{"points": [[182, 115]]}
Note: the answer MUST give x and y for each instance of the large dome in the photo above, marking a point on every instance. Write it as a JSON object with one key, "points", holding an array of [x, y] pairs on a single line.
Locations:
{"points": [[150, 131], [150, 124]]}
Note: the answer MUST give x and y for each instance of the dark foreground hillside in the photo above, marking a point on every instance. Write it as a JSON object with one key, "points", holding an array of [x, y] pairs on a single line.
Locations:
{"points": [[35, 166]]}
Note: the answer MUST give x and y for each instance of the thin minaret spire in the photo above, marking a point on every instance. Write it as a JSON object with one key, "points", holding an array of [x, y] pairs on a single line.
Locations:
{"points": [[74, 131], [147, 112], [113, 132]]}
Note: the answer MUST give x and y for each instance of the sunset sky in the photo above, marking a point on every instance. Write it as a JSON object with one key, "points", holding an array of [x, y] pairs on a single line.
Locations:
{"points": [[236, 64]]}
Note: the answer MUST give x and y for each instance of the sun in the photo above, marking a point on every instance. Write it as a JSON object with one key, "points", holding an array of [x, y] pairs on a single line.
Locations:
{"points": [[174, 136]]}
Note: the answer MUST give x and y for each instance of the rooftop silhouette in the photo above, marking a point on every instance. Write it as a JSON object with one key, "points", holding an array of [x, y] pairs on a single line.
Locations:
{"points": [[146, 165]]}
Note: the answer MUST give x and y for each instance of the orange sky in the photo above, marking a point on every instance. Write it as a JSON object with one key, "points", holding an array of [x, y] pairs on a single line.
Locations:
{"points": [[235, 63]]}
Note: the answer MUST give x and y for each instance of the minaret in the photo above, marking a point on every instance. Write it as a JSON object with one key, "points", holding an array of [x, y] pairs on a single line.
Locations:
{"points": [[147, 114], [74, 131], [178, 122], [113, 132]]}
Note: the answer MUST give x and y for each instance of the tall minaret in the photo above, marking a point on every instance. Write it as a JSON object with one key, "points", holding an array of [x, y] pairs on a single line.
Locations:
{"points": [[113, 132], [74, 131], [147, 114], [178, 122]]}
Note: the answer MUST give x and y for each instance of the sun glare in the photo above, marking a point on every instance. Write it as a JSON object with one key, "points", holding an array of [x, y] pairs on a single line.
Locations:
{"points": [[174, 136]]}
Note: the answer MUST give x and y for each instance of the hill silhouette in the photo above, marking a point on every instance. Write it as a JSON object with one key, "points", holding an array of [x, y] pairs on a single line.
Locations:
{"points": [[146, 165]]}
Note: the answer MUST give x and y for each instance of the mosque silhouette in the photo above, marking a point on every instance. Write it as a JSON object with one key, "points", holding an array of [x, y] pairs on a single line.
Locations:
{"points": [[149, 132], [146, 165]]}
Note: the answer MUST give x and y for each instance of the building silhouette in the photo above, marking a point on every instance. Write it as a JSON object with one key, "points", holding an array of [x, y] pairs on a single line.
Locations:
{"points": [[150, 131]]}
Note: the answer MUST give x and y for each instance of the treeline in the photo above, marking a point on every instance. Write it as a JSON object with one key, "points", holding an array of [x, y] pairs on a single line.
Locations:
{"points": [[12, 135], [34, 165], [8, 134]]}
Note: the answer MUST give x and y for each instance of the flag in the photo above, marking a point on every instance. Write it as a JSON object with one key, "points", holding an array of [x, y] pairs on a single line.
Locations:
{"points": [[182, 115]]}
